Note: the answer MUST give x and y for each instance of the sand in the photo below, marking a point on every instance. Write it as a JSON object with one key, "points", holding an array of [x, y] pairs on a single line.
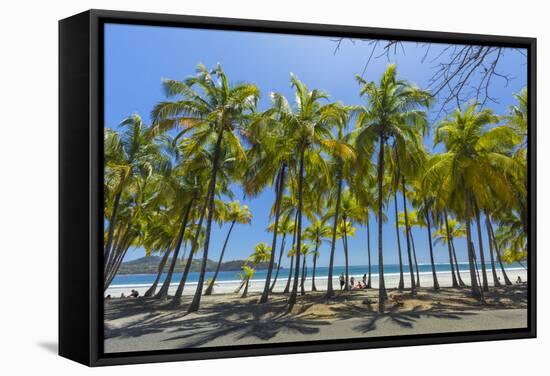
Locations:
{"points": [[227, 319]]}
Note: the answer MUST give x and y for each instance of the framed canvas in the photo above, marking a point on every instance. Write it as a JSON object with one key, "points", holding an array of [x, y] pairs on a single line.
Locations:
{"points": [[239, 187]]}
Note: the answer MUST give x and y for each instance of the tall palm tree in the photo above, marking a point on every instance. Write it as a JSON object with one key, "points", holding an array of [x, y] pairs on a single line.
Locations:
{"points": [[343, 158], [474, 168], [213, 111], [392, 112], [235, 213], [311, 124]]}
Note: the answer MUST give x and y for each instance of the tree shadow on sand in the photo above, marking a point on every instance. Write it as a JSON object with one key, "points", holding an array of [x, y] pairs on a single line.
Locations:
{"points": [[240, 320], [404, 318]]}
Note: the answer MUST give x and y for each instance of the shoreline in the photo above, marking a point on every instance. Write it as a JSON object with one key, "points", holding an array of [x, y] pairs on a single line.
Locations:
{"points": [[257, 285]]}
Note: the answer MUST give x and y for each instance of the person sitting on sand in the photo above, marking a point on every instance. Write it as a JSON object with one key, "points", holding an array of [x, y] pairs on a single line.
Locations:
{"points": [[342, 281], [134, 294], [108, 296], [359, 286], [122, 295], [518, 281]]}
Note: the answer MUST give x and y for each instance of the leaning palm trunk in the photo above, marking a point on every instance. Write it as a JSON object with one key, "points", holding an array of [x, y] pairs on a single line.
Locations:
{"points": [[112, 224], [117, 264], [330, 289], [294, 292], [476, 292], [507, 281], [346, 260], [245, 292], [287, 287], [381, 283], [496, 282], [481, 253], [449, 246], [313, 287], [409, 251], [195, 304], [434, 274], [283, 241], [369, 284], [176, 300], [303, 279], [460, 281], [414, 256], [401, 284], [151, 291], [163, 292], [116, 259], [279, 192], [210, 286], [289, 280]]}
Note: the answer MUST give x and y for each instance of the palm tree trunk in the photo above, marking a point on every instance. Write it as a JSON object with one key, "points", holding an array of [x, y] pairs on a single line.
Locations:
{"points": [[245, 292], [313, 287], [114, 251], [369, 284], [278, 196], [163, 292], [345, 243], [507, 281], [460, 281], [283, 241], [151, 291], [414, 256], [496, 282], [455, 283], [294, 292], [210, 286], [117, 255], [401, 284], [287, 288], [176, 300], [432, 261], [481, 253], [409, 253], [381, 284], [303, 279], [476, 292], [112, 224], [330, 288], [289, 280], [195, 304]]}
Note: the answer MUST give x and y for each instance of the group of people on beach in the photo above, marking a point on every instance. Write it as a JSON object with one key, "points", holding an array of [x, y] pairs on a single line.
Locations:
{"points": [[360, 284]]}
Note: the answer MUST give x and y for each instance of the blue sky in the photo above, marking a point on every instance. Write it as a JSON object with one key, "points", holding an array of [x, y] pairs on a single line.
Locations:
{"points": [[138, 57]]}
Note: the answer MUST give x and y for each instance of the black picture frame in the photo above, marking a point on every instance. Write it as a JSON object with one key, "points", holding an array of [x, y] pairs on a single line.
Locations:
{"points": [[80, 188]]}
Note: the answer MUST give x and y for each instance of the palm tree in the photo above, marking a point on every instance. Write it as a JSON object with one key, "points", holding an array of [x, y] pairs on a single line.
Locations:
{"points": [[128, 154], [316, 232], [234, 214], [474, 168], [391, 112], [311, 123], [343, 157], [246, 276], [213, 114]]}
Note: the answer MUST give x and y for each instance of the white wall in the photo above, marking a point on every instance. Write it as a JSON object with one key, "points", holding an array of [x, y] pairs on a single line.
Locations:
{"points": [[28, 184]]}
